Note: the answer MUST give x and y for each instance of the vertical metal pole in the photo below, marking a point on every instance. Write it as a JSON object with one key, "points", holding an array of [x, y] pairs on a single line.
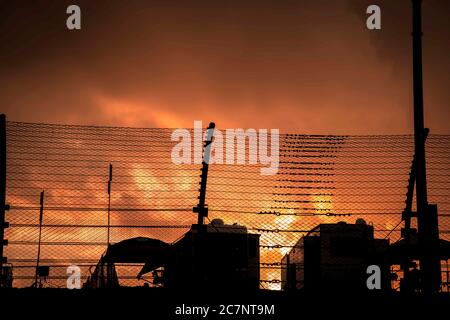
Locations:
{"points": [[108, 262], [419, 130], [109, 200], [201, 209], [429, 263], [2, 188], [41, 212]]}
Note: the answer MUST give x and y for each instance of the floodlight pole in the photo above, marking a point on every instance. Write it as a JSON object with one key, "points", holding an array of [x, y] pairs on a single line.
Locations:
{"points": [[428, 229]]}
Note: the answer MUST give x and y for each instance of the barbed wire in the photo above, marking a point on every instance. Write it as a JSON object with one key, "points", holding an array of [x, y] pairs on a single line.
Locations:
{"points": [[321, 179]]}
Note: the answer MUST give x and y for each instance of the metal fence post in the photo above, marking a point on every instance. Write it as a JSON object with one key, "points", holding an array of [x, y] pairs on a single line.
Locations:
{"points": [[3, 206]]}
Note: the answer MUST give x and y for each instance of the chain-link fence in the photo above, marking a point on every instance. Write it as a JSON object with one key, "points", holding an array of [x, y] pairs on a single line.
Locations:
{"points": [[321, 179]]}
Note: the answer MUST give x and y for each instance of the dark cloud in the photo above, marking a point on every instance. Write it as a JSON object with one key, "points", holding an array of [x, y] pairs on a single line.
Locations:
{"points": [[305, 66]]}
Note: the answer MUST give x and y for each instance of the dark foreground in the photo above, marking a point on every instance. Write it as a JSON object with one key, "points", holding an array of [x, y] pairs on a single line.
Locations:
{"points": [[149, 303]]}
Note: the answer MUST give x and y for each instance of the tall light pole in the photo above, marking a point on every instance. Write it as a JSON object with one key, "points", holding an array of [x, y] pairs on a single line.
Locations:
{"points": [[428, 229]]}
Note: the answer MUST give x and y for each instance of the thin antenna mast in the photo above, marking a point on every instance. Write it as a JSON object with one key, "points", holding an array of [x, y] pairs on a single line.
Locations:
{"points": [[41, 213]]}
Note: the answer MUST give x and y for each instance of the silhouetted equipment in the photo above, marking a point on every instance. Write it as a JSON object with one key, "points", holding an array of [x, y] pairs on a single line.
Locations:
{"points": [[404, 252], [135, 250], [3, 206], [231, 259], [335, 257]]}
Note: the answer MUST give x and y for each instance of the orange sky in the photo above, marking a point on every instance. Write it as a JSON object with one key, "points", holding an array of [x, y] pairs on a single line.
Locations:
{"points": [[302, 66]]}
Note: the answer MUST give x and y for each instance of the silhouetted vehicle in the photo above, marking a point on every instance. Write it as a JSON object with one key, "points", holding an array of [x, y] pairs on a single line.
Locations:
{"points": [[335, 257]]}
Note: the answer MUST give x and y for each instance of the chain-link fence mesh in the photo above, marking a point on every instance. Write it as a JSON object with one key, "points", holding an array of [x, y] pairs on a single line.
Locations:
{"points": [[321, 179]]}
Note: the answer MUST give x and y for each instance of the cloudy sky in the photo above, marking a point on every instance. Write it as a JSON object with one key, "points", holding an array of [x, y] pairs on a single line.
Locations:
{"points": [[303, 66]]}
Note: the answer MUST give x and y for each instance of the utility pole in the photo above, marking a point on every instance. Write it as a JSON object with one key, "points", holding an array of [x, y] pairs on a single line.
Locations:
{"points": [[428, 229]]}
